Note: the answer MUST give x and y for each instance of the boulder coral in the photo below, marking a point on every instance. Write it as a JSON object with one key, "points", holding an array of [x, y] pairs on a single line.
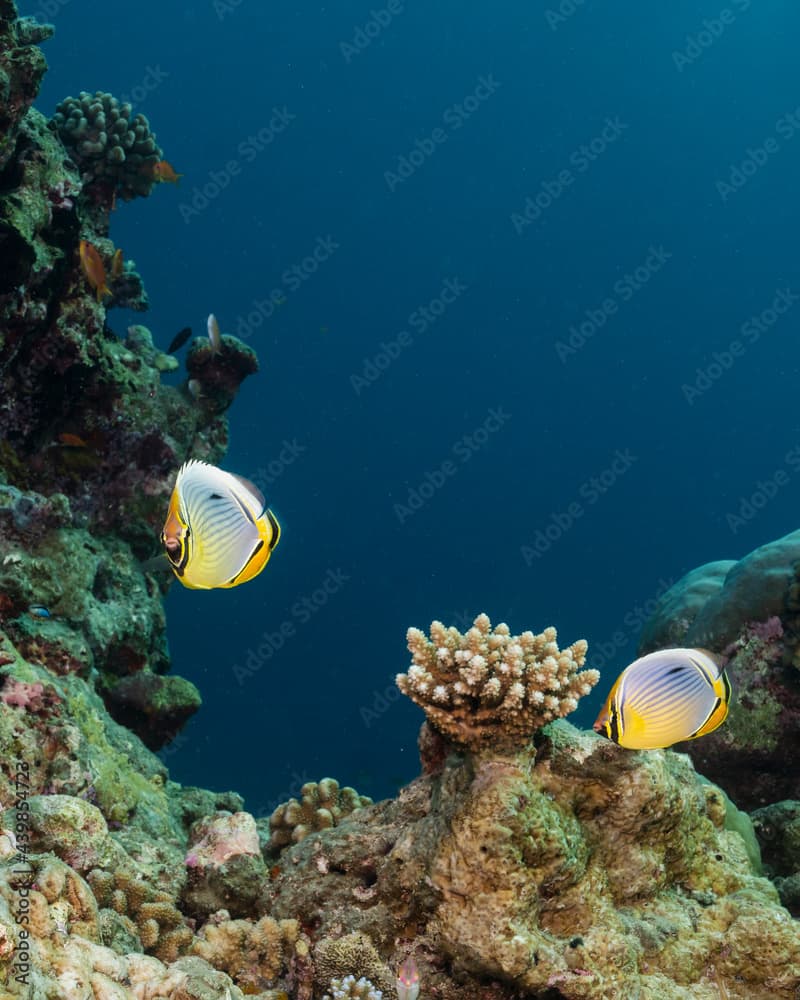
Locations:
{"points": [[749, 612]]}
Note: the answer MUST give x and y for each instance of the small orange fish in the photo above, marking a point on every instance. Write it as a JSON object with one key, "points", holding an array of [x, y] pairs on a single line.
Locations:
{"points": [[116, 265], [92, 264], [72, 440], [163, 171]]}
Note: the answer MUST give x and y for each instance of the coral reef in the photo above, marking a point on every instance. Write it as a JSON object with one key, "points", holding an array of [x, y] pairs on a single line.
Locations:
{"points": [[528, 860], [487, 688], [578, 868], [322, 805], [749, 612], [92, 438], [22, 67]]}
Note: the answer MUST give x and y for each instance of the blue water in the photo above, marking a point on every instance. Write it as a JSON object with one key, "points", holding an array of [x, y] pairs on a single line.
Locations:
{"points": [[632, 170]]}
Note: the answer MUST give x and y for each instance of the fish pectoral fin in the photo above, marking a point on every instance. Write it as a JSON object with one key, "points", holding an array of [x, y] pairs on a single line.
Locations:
{"points": [[158, 564]]}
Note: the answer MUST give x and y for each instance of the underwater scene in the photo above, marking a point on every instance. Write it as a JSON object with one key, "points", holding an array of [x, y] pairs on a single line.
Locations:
{"points": [[399, 500]]}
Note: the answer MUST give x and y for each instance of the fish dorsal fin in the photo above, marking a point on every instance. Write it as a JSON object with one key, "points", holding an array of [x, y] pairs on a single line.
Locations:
{"points": [[258, 499]]}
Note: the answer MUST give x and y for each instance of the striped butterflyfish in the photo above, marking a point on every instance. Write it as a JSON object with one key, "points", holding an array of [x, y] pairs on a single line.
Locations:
{"points": [[664, 698], [219, 531]]}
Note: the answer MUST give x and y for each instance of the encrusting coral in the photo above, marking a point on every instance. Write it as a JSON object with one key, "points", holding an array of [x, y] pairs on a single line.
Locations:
{"points": [[487, 688], [322, 805], [223, 864]]}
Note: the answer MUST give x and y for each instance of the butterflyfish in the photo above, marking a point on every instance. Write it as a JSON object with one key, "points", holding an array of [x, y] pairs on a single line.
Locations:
{"points": [[219, 531], [92, 264], [664, 698]]}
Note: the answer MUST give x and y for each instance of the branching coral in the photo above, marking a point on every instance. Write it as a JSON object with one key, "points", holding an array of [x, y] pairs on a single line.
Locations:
{"points": [[251, 953], [350, 987], [159, 923], [322, 805], [487, 688]]}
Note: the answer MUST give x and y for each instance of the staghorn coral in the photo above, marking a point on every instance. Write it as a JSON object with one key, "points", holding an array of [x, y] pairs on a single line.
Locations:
{"points": [[114, 149], [350, 987], [322, 805], [487, 688]]}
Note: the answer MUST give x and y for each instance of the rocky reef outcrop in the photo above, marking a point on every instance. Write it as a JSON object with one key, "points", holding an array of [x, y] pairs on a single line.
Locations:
{"points": [[91, 435]]}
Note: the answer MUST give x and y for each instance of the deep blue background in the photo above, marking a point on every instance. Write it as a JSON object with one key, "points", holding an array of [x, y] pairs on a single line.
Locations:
{"points": [[299, 717]]}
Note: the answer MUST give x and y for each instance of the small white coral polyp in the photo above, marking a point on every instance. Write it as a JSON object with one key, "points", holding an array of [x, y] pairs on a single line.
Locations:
{"points": [[489, 689], [350, 988]]}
